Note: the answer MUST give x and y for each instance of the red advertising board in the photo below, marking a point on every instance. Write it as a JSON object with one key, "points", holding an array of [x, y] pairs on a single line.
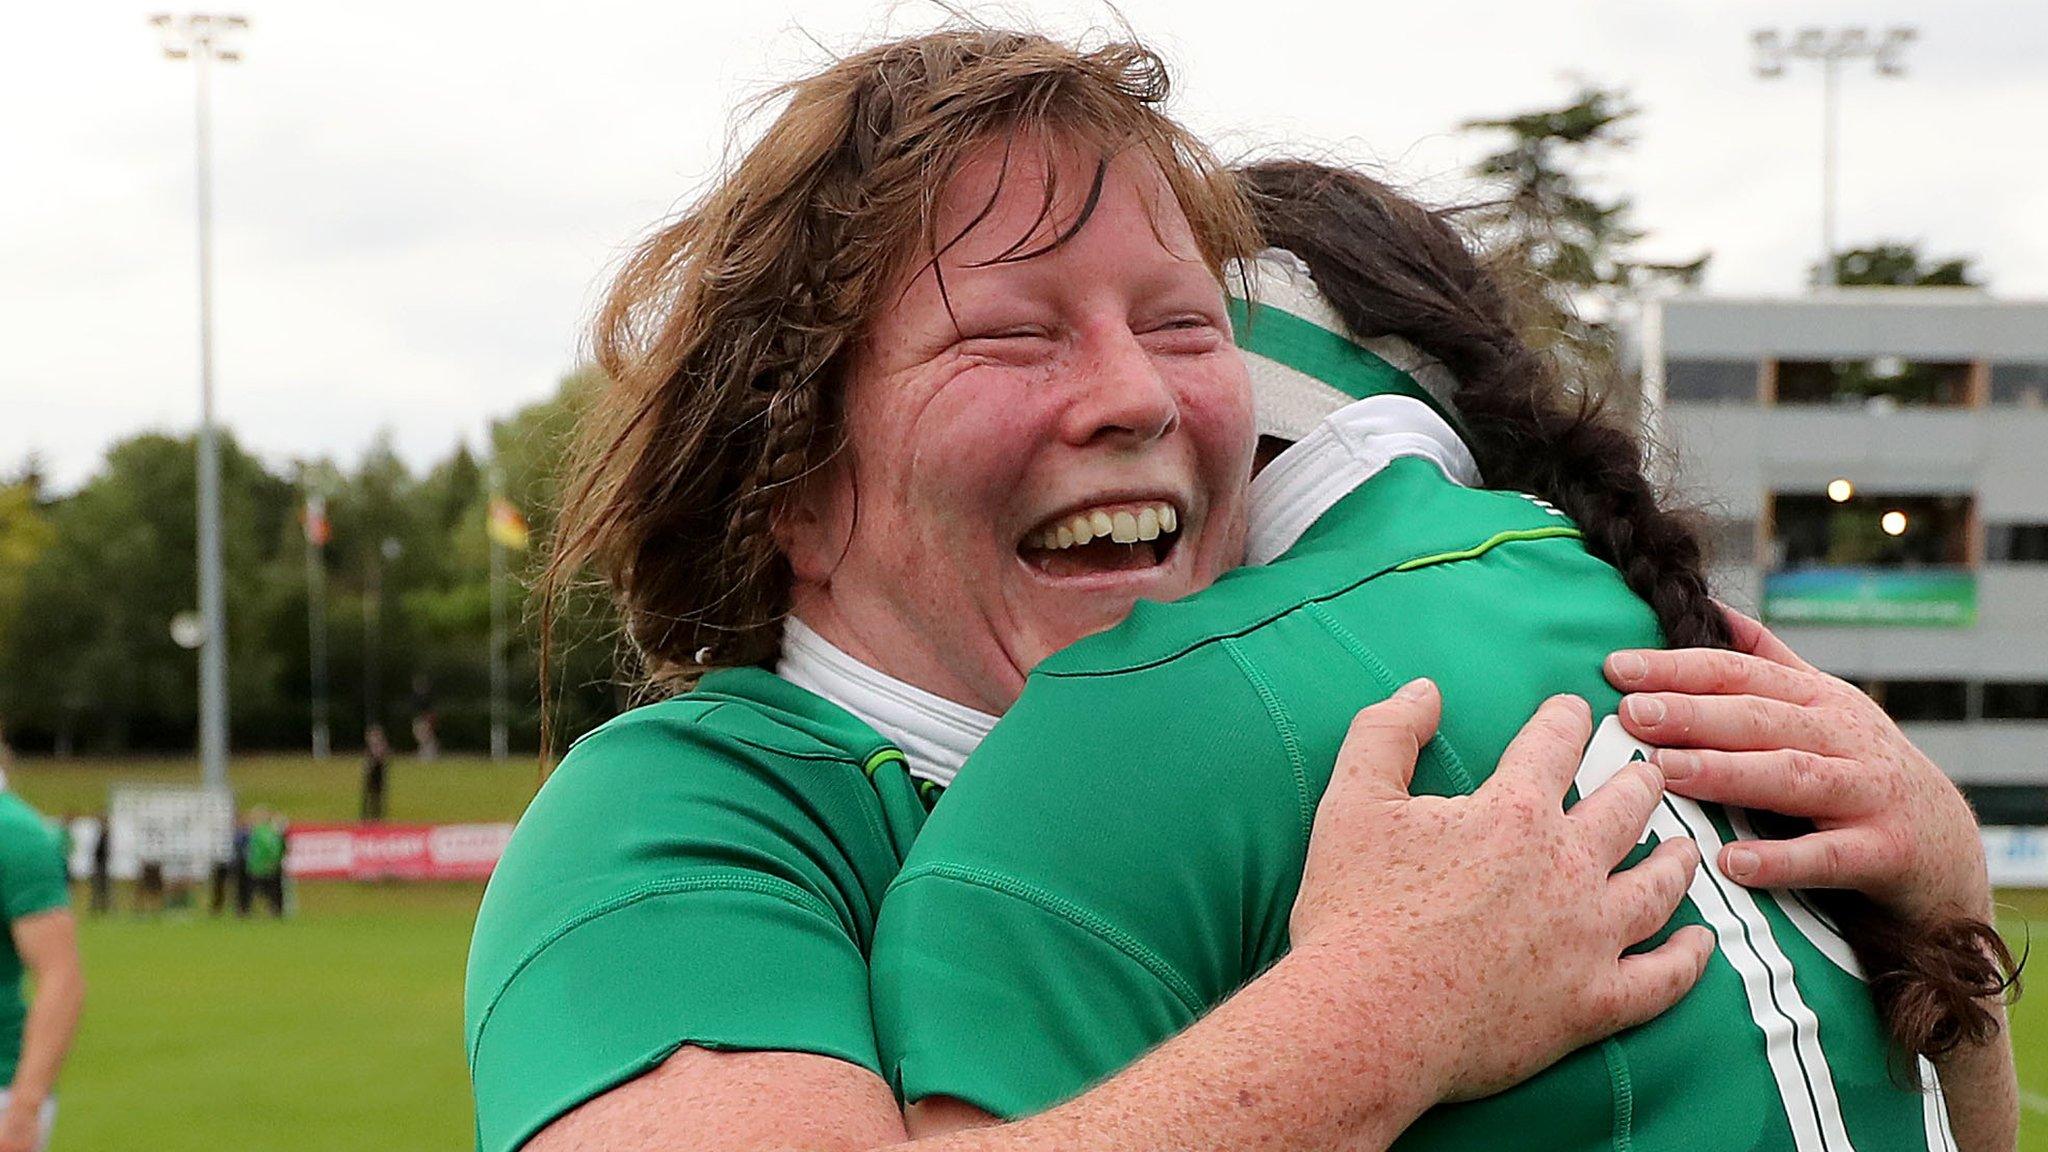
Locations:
{"points": [[395, 851]]}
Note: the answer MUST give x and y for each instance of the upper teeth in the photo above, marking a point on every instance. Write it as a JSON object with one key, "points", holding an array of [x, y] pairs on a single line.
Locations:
{"points": [[1122, 526]]}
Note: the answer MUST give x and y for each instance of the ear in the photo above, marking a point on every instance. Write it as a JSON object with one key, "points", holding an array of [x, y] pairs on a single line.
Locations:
{"points": [[815, 524]]}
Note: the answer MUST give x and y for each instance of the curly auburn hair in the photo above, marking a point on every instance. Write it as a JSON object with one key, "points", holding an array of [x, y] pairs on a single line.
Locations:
{"points": [[1392, 267], [725, 337]]}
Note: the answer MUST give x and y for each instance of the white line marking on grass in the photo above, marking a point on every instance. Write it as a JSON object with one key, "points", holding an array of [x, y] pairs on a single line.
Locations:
{"points": [[2034, 1102]]}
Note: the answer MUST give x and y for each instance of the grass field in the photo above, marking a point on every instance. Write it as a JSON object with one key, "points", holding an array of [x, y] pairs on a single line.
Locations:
{"points": [[340, 1028]]}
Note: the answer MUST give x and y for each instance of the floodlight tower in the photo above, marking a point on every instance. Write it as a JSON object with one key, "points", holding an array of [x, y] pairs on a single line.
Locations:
{"points": [[203, 39], [1830, 49]]}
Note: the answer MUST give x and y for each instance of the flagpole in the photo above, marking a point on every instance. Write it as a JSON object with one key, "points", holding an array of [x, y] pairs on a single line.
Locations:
{"points": [[316, 618], [500, 742]]}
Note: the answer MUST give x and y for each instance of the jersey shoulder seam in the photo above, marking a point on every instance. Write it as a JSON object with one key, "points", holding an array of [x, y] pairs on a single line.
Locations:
{"points": [[1439, 745], [1092, 923], [727, 881], [1283, 726], [700, 722]]}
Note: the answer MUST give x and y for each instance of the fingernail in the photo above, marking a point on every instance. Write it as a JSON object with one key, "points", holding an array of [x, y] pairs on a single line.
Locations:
{"points": [[1738, 863], [1676, 765], [1413, 690], [1630, 666], [1644, 709]]}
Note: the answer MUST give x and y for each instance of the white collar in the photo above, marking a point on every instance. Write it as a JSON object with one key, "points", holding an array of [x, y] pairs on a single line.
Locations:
{"points": [[1348, 448], [934, 734]]}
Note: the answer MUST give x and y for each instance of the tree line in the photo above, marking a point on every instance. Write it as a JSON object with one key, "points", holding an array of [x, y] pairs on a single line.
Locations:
{"points": [[91, 581]]}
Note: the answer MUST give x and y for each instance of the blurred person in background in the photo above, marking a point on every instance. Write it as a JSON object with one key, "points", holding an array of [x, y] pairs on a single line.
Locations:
{"points": [[376, 764], [231, 875], [426, 737], [102, 864], [41, 945], [263, 862], [967, 285]]}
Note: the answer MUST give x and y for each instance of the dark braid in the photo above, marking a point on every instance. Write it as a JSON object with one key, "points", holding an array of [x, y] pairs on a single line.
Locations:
{"points": [[1391, 267]]}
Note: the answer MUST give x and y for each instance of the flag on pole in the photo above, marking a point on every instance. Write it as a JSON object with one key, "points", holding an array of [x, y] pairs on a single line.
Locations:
{"points": [[314, 517], [506, 527]]}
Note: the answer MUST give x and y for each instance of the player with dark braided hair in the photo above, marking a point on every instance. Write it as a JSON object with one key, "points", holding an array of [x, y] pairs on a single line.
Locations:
{"points": [[1133, 884], [1391, 267]]}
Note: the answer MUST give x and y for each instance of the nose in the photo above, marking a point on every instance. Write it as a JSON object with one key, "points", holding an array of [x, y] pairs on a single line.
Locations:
{"points": [[1121, 397]]}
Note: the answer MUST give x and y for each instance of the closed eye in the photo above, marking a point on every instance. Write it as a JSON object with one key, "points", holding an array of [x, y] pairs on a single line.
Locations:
{"points": [[1191, 333], [1007, 343]]}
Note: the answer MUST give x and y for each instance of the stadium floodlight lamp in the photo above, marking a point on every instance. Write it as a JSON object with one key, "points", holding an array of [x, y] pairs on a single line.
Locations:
{"points": [[1891, 50], [201, 33], [1810, 43], [1841, 490], [1770, 53]]}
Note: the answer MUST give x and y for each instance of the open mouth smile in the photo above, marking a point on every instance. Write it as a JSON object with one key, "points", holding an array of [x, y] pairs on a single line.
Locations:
{"points": [[1124, 536]]}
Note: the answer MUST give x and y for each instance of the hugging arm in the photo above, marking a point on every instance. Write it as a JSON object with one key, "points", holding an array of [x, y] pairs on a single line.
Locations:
{"points": [[1282, 1063]]}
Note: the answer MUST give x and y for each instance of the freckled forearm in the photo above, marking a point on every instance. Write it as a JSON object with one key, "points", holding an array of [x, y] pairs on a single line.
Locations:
{"points": [[46, 1036], [1982, 1088], [1280, 1066]]}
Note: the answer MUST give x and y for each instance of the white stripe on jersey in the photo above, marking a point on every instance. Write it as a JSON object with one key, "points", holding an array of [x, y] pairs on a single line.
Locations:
{"points": [[1818, 932], [1934, 1110], [1806, 1087]]}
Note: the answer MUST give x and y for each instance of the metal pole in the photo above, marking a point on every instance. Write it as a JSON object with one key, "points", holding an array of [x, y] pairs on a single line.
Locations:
{"points": [[373, 608], [1829, 67], [316, 624], [500, 737], [213, 652]]}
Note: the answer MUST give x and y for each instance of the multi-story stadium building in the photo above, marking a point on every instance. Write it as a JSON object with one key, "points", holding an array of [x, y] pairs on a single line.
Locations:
{"points": [[1878, 463]]}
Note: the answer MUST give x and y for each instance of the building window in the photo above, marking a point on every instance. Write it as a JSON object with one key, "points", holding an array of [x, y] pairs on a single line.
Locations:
{"points": [[2008, 803], [1921, 701], [1711, 382], [2015, 700], [2016, 543], [2022, 385], [1864, 530], [1886, 380]]}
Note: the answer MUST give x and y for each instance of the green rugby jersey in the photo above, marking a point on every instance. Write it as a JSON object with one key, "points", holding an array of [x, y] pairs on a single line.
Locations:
{"points": [[707, 871], [1124, 850], [32, 880]]}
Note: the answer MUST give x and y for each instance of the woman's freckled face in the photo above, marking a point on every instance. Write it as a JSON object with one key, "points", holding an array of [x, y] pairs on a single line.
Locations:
{"points": [[1093, 384]]}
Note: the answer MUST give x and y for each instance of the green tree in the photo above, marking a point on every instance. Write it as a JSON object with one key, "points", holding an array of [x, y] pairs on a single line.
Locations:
{"points": [[24, 533], [1897, 264], [1576, 245], [90, 651]]}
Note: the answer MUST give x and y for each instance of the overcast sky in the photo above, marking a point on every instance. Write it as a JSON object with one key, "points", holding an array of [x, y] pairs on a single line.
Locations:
{"points": [[417, 202]]}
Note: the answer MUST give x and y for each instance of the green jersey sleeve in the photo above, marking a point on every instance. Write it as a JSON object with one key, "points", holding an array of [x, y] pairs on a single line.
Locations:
{"points": [[688, 875], [1038, 888], [32, 876]]}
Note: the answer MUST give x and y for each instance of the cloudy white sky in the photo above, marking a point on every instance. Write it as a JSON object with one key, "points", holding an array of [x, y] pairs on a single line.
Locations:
{"points": [[417, 201]]}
